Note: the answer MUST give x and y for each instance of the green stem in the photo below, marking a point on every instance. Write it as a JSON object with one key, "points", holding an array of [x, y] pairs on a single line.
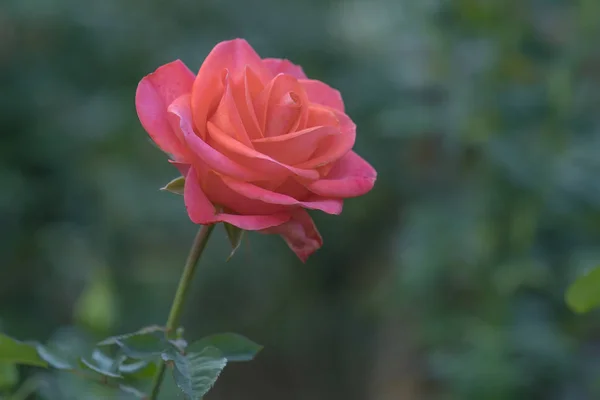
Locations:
{"points": [[177, 306]]}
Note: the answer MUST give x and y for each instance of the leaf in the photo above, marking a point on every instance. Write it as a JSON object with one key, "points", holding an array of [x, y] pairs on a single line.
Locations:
{"points": [[235, 236], [99, 369], [54, 359], [9, 375], [16, 352], [144, 344], [133, 391], [232, 346], [584, 294], [175, 186], [136, 367], [196, 373]]}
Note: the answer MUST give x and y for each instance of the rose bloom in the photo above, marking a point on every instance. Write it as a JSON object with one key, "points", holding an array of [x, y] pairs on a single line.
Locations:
{"points": [[257, 142]]}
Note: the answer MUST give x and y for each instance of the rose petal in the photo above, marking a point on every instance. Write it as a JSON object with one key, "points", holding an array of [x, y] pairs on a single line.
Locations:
{"points": [[333, 147], [227, 116], [180, 111], [244, 92], [351, 176], [281, 107], [282, 66], [297, 147], [300, 233], [233, 55], [250, 191], [321, 93], [154, 94], [252, 159], [183, 168], [215, 188], [202, 211]]}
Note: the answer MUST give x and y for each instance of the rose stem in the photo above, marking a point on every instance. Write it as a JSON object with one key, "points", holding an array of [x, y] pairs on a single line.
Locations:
{"points": [[177, 307]]}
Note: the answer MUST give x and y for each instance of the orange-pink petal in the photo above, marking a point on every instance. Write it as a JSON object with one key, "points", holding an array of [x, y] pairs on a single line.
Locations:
{"points": [[180, 111], [252, 159], [233, 55], [154, 94], [227, 116], [335, 146], [300, 233], [250, 191], [351, 176], [297, 147], [281, 107], [321, 93], [202, 211], [282, 66]]}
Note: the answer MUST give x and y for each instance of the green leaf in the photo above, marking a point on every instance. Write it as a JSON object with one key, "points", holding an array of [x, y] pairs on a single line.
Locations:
{"points": [[13, 351], [53, 358], [175, 186], [135, 368], [9, 375], [99, 369], [235, 236], [145, 344], [232, 346], [196, 373], [584, 294], [133, 391]]}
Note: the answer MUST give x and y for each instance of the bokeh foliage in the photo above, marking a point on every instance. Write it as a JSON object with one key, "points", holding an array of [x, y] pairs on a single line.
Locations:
{"points": [[446, 282]]}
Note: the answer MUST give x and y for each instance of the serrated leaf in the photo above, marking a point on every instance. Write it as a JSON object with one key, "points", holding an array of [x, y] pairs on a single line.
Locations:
{"points": [[235, 236], [16, 352], [175, 186], [584, 294], [196, 373], [232, 346], [145, 344], [9, 375], [54, 359]]}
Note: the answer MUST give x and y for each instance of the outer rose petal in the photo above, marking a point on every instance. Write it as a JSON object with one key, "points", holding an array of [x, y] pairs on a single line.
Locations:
{"points": [[233, 55], [250, 191], [300, 233], [282, 66], [154, 94], [321, 93], [351, 176], [201, 210]]}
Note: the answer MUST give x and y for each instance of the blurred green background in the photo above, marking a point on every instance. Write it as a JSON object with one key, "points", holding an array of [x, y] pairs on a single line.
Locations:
{"points": [[446, 282]]}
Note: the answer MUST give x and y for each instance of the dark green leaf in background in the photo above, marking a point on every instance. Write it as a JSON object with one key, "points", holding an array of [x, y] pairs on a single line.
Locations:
{"points": [[54, 358], [584, 294], [13, 351], [232, 346], [147, 343], [9, 375]]}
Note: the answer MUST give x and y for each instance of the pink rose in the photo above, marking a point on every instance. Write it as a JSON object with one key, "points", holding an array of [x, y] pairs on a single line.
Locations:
{"points": [[257, 142]]}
